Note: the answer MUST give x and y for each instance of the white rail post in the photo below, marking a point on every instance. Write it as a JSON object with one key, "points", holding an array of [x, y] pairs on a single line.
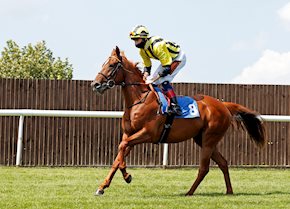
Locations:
{"points": [[165, 155], [20, 141], [93, 114]]}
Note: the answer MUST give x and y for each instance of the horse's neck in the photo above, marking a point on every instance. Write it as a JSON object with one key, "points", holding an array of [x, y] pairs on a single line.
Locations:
{"points": [[133, 93]]}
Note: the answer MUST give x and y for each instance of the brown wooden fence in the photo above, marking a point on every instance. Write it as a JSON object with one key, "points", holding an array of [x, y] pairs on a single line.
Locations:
{"points": [[52, 141]]}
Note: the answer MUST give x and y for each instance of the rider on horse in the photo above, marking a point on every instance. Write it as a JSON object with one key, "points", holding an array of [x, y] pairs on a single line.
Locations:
{"points": [[171, 57]]}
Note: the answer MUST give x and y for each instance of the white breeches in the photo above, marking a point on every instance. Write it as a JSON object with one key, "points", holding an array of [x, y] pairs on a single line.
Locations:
{"points": [[182, 58]]}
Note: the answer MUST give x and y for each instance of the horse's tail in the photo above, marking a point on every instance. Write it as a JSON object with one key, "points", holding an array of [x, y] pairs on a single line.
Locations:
{"points": [[249, 120]]}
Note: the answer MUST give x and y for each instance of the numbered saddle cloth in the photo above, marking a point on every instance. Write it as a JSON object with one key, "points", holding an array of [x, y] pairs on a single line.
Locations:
{"points": [[187, 104]]}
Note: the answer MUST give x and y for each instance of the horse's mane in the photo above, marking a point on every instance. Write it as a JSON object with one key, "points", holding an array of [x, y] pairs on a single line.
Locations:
{"points": [[132, 66]]}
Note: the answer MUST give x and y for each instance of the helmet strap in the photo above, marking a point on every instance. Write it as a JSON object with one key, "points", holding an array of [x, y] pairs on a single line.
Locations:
{"points": [[141, 44]]}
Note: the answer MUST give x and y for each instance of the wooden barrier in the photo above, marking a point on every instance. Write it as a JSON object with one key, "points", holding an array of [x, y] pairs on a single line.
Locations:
{"points": [[52, 141]]}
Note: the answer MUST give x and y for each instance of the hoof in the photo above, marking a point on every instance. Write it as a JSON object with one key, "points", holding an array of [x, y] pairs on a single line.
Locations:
{"points": [[189, 194], [128, 179], [99, 192]]}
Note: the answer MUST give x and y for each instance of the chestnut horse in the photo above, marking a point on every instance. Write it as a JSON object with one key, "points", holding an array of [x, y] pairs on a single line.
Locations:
{"points": [[141, 122]]}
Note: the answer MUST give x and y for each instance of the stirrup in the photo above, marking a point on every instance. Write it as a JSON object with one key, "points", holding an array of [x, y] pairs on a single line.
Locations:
{"points": [[175, 109]]}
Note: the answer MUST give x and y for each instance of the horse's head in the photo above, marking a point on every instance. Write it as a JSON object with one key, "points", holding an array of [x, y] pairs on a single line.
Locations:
{"points": [[110, 74]]}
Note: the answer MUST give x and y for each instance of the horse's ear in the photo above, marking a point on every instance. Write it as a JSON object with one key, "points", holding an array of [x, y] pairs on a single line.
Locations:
{"points": [[118, 53]]}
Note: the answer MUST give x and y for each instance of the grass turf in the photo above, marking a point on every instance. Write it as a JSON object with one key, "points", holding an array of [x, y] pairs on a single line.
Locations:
{"points": [[150, 188]]}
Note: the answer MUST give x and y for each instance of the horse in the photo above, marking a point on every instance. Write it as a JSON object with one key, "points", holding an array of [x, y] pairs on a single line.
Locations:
{"points": [[142, 122]]}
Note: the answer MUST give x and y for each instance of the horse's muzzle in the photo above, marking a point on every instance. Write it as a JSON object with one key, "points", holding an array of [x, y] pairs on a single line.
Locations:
{"points": [[102, 87], [97, 87]]}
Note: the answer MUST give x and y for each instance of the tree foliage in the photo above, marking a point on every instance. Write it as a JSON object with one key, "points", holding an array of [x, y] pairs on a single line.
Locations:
{"points": [[35, 62]]}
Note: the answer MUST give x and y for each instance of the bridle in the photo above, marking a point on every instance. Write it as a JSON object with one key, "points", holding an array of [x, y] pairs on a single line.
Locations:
{"points": [[110, 79], [110, 83]]}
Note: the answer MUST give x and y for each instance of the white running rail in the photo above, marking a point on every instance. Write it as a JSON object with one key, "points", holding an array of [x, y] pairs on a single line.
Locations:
{"points": [[89, 114]]}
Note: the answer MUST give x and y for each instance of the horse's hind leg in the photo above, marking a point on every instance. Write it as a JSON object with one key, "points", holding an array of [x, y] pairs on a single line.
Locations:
{"points": [[223, 165], [206, 152]]}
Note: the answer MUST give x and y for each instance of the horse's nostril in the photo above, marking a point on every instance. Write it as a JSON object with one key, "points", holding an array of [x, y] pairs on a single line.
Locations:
{"points": [[95, 85]]}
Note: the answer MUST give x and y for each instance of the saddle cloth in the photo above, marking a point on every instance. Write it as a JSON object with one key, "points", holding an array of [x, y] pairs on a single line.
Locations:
{"points": [[187, 104]]}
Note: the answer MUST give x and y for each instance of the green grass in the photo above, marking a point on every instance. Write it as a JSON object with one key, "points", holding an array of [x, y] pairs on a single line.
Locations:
{"points": [[150, 188]]}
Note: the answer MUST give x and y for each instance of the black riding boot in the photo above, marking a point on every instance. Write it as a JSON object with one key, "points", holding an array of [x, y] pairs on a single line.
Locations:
{"points": [[174, 106]]}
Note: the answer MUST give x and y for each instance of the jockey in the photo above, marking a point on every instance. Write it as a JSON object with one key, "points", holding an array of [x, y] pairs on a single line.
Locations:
{"points": [[171, 57]]}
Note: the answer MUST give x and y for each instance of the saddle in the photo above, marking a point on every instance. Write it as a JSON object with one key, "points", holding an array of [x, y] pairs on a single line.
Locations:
{"points": [[187, 104]]}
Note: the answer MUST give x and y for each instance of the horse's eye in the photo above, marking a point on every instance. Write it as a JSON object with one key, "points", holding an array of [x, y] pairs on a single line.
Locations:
{"points": [[111, 65]]}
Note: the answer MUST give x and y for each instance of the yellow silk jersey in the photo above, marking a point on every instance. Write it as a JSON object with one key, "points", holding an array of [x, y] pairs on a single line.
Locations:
{"points": [[159, 49]]}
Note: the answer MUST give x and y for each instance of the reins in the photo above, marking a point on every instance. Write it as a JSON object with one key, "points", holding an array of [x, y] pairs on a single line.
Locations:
{"points": [[123, 84], [142, 100]]}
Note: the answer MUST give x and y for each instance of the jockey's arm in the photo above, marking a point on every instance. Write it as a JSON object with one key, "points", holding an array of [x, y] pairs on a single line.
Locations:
{"points": [[147, 70], [165, 71], [164, 57], [146, 60], [147, 64], [162, 53]]}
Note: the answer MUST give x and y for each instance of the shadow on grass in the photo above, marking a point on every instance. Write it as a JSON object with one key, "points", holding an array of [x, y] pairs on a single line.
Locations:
{"points": [[216, 194], [261, 193]]}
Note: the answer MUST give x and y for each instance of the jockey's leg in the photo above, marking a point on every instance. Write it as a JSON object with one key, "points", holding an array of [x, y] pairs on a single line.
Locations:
{"points": [[168, 90]]}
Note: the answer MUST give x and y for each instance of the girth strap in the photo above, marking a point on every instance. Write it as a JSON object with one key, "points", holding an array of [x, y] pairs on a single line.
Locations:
{"points": [[166, 128]]}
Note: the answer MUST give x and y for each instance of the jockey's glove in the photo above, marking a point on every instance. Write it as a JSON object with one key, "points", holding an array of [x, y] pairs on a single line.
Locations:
{"points": [[147, 70], [165, 71]]}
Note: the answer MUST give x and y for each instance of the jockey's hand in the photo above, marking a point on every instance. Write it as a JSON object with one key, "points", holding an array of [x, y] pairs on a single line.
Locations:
{"points": [[165, 71], [145, 75]]}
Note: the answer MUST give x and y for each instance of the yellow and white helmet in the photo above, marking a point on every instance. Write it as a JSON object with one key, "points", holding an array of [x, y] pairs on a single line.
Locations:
{"points": [[139, 31]]}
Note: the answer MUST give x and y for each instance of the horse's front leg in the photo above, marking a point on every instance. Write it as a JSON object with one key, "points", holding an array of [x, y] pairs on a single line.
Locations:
{"points": [[106, 183], [124, 149], [127, 177], [127, 144]]}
